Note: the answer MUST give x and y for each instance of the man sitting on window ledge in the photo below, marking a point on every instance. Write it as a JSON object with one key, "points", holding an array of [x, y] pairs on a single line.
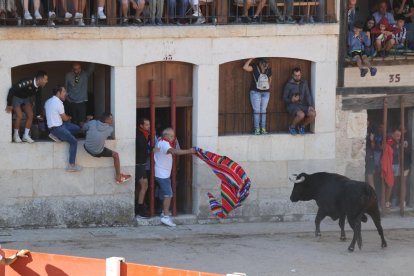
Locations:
{"points": [[298, 98]]}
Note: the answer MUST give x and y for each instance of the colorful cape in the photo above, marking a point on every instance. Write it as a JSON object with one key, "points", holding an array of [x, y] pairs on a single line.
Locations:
{"points": [[235, 184]]}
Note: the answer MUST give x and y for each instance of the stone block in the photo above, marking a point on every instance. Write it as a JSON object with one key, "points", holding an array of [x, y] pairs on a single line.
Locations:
{"points": [[311, 166], [58, 182], [320, 146], [26, 156], [235, 147], [287, 147], [259, 148], [105, 184], [357, 125], [16, 183], [265, 174]]}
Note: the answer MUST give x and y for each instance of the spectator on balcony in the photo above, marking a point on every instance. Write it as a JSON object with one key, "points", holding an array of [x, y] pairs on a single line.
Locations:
{"points": [[76, 83], [137, 5], [300, 104], [352, 14], [369, 25], [7, 6], [26, 12], [156, 11], [197, 12], [405, 8], [382, 13], [247, 4], [177, 10], [358, 41], [20, 97], [401, 37], [79, 7], [383, 33], [259, 92], [285, 18], [50, 7], [60, 127]]}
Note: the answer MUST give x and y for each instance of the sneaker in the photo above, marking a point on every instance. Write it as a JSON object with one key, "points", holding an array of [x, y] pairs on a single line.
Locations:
{"points": [[27, 16], [311, 20], [17, 139], [255, 19], [68, 16], [73, 168], [257, 131], [142, 213], [168, 221], [279, 19], [302, 130], [200, 20], [263, 131], [27, 139], [364, 71], [52, 15], [54, 138], [245, 19], [78, 15], [124, 21], [373, 71], [51, 23], [137, 21], [37, 15], [292, 130], [197, 13], [81, 23], [290, 20], [158, 22], [101, 15]]}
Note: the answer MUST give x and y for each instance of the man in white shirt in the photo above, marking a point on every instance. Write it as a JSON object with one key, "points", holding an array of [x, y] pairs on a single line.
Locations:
{"points": [[164, 151], [60, 126]]}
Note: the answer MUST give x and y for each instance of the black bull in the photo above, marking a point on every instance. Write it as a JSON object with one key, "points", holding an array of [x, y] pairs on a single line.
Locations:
{"points": [[338, 197]]}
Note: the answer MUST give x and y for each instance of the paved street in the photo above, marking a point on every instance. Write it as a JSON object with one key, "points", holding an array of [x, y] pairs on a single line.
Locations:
{"points": [[283, 248]]}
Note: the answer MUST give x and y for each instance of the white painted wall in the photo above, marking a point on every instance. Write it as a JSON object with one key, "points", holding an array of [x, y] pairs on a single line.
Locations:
{"points": [[43, 183]]}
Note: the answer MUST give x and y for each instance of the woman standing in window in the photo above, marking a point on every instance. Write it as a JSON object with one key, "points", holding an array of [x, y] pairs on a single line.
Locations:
{"points": [[259, 92]]}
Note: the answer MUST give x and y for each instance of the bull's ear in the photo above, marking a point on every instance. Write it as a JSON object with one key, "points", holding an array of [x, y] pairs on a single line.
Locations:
{"points": [[300, 180]]}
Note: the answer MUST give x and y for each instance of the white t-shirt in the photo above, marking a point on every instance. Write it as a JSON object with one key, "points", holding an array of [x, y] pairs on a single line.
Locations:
{"points": [[54, 108], [163, 160]]}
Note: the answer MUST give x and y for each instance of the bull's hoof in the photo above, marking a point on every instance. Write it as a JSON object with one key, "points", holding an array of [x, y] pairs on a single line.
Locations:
{"points": [[384, 244], [343, 238], [351, 249], [318, 234]]}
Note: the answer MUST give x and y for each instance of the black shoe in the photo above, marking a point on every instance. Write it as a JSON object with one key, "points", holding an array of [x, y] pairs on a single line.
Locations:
{"points": [[142, 212], [255, 19], [158, 21], [245, 19]]}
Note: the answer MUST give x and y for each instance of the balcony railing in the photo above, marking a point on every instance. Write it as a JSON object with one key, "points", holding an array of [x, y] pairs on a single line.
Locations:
{"points": [[171, 12]]}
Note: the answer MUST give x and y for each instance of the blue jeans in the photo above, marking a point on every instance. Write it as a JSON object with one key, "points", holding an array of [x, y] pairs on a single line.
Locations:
{"points": [[288, 4], [165, 187], [177, 12], [65, 133], [259, 101]]}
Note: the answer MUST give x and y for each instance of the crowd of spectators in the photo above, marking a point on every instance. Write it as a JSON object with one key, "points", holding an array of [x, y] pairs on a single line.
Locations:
{"points": [[158, 12]]}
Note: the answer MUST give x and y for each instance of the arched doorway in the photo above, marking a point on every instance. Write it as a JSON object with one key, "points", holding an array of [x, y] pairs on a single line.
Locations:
{"points": [[163, 74]]}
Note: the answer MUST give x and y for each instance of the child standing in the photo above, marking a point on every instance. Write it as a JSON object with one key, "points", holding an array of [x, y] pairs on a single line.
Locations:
{"points": [[400, 37], [357, 41]]}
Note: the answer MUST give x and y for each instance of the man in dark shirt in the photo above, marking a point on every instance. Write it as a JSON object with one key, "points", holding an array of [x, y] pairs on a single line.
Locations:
{"points": [[141, 147], [20, 97]]}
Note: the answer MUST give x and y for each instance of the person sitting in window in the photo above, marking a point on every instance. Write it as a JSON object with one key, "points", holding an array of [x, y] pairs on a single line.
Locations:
{"points": [[300, 105], [50, 7], [405, 8], [9, 260], [247, 4], [20, 97], [357, 43], [197, 12], [383, 33], [401, 37], [156, 8], [79, 7], [352, 14], [177, 10], [26, 12], [285, 18], [137, 5], [7, 6], [382, 13], [259, 92], [369, 24]]}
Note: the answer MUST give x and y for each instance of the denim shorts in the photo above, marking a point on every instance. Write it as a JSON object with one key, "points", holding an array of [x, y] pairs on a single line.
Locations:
{"points": [[396, 170], [165, 187]]}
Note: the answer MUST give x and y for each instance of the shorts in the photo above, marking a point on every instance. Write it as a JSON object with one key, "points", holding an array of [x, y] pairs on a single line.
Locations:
{"points": [[140, 171], [396, 170], [358, 53], [16, 102], [165, 187], [294, 108], [105, 153]]}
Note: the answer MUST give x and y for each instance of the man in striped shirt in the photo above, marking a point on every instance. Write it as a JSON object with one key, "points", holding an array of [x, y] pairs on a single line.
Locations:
{"points": [[400, 37]]}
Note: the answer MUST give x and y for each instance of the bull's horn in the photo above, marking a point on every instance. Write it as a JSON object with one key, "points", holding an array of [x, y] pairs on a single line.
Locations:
{"points": [[300, 180], [293, 178]]}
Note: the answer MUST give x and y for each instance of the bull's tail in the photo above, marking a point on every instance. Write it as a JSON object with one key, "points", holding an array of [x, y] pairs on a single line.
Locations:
{"points": [[367, 198], [216, 208]]}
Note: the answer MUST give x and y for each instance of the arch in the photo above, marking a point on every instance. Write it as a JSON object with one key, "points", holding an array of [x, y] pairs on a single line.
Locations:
{"points": [[235, 111]]}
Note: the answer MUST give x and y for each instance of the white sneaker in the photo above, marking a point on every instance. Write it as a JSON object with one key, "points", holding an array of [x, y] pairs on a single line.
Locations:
{"points": [[197, 13], [73, 168], [27, 16], [16, 139], [54, 138], [52, 15], [27, 139], [101, 15], [81, 23], [68, 16], [168, 221], [78, 15], [200, 20], [37, 15]]}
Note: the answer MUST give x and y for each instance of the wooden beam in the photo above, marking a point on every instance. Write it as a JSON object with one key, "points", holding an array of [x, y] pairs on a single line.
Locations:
{"points": [[144, 102], [343, 32], [345, 91], [376, 102]]}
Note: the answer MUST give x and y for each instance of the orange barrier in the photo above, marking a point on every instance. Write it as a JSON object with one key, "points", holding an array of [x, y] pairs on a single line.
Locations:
{"points": [[39, 264]]}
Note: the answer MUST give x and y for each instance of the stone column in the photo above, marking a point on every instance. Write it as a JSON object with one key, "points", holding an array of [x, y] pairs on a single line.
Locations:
{"points": [[5, 118]]}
